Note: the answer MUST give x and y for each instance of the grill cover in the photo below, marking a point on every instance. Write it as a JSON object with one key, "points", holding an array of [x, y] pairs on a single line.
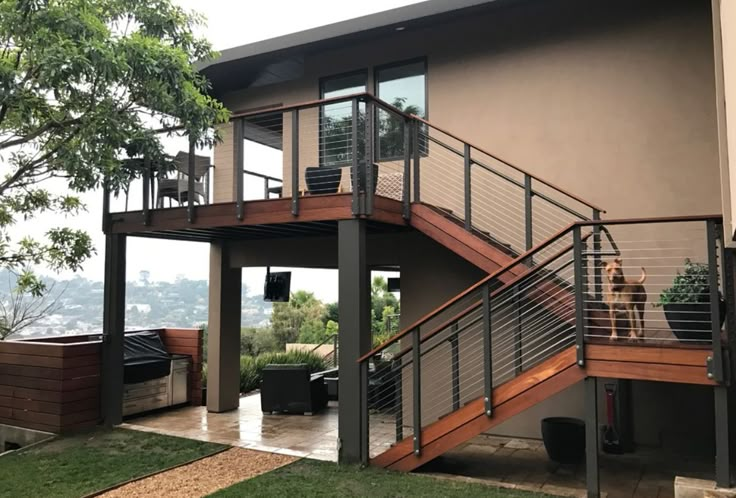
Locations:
{"points": [[145, 358]]}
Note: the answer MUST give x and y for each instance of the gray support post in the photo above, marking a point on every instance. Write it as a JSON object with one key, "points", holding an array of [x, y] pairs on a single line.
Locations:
{"points": [[417, 155], [105, 206], [364, 415], [223, 333], [238, 159], [190, 180], [355, 164], [487, 351], [265, 188], [113, 326], [723, 458], [295, 162], [592, 476], [579, 297], [716, 363], [468, 204], [406, 194], [399, 400], [528, 228], [416, 366], [146, 190], [455, 366], [368, 158], [354, 334], [597, 269]]}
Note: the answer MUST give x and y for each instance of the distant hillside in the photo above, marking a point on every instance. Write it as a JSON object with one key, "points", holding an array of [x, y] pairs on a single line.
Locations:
{"points": [[182, 303]]}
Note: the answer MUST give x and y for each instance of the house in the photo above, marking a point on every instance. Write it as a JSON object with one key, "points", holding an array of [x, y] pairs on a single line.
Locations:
{"points": [[496, 153]]}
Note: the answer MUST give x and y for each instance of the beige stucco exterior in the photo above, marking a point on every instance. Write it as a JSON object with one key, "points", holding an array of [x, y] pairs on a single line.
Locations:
{"points": [[612, 100]]}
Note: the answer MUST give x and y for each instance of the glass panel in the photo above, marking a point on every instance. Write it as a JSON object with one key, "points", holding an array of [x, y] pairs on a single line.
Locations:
{"points": [[403, 87], [337, 119]]}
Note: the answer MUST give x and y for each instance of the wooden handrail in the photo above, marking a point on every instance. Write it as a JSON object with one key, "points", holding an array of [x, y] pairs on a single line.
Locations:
{"points": [[510, 165], [659, 219]]}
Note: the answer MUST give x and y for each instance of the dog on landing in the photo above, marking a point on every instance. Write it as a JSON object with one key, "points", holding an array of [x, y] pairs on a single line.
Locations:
{"points": [[625, 297]]}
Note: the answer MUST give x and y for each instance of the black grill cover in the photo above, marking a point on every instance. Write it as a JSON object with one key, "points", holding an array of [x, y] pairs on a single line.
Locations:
{"points": [[145, 357]]}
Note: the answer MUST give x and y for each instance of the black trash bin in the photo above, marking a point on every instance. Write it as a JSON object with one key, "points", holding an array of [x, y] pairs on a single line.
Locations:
{"points": [[564, 439]]}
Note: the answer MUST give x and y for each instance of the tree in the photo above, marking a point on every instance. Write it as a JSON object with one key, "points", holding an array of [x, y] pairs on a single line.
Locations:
{"points": [[288, 319], [381, 299], [332, 313], [20, 310], [81, 81]]}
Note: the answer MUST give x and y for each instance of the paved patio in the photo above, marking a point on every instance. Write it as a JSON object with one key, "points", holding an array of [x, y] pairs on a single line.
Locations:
{"points": [[312, 436]]}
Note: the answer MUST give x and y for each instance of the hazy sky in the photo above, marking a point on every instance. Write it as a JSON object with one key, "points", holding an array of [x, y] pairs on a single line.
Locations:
{"points": [[229, 23]]}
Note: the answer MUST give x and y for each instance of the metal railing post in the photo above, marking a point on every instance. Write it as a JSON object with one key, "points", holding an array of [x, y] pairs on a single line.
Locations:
{"points": [[398, 401], [334, 350], [579, 297], [238, 151], [364, 413], [406, 194], [265, 188], [455, 366], [190, 180], [368, 158], [597, 269], [415, 146], [528, 228], [105, 205], [715, 370], [355, 173], [146, 190], [487, 351], [468, 205], [417, 391], [295, 162]]}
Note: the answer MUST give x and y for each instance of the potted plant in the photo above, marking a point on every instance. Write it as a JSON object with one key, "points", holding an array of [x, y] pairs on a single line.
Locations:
{"points": [[687, 303]]}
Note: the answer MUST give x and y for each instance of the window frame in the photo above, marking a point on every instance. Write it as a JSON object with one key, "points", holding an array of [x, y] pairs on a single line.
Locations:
{"points": [[377, 93], [357, 72]]}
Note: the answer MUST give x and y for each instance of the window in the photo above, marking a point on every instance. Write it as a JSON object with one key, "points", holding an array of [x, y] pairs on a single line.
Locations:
{"points": [[402, 85], [336, 120]]}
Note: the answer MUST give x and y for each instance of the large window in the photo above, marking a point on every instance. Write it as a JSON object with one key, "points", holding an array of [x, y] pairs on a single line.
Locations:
{"points": [[336, 120], [402, 85]]}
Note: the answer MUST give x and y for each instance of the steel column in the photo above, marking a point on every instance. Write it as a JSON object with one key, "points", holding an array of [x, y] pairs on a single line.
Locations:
{"points": [[146, 190], [368, 158], [417, 154], [597, 270], [354, 336], [113, 326], [295, 162], [487, 351], [468, 204], [528, 228], [417, 390], [355, 169], [455, 366], [364, 414], [238, 160], [579, 295], [406, 194], [716, 366], [190, 180], [592, 470], [723, 457], [105, 206]]}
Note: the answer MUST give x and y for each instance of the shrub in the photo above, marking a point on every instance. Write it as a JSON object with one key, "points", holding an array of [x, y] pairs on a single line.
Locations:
{"points": [[690, 286], [251, 368], [257, 340]]}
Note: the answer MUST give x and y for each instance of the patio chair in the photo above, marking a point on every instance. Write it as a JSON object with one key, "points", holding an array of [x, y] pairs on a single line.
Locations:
{"points": [[291, 389], [177, 188]]}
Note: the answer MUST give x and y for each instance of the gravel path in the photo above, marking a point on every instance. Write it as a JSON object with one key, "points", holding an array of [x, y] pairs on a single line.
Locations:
{"points": [[204, 476]]}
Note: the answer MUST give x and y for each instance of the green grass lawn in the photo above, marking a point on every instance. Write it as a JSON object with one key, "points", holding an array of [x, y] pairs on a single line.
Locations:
{"points": [[77, 465], [307, 478]]}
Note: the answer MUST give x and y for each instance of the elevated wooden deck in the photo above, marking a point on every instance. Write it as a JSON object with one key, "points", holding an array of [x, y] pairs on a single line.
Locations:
{"points": [[318, 215]]}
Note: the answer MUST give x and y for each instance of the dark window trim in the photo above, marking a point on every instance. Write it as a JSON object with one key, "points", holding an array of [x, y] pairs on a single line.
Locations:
{"points": [[320, 89], [378, 69]]}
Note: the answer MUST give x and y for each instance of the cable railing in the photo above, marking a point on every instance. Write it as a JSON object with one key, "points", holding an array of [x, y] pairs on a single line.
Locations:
{"points": [[520, 316]]}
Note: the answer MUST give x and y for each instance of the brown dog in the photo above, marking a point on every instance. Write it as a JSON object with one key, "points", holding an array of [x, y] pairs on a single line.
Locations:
{"points": [[625, 297]]}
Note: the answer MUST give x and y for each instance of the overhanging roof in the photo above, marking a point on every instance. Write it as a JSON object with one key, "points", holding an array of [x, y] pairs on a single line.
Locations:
{"points": [[281, 58]]}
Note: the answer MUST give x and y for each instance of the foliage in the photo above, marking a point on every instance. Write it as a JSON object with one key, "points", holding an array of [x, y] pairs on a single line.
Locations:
{"points": [[325, 479], [690, 286], [73, 466], [381, 299], [257, 340], [81, 82], [332, 313], [204, 375], [302, 311], [251, 367], [21, 309]]}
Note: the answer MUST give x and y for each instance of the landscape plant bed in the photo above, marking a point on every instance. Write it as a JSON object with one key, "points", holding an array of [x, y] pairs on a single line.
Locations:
{"points": [[78, 465], [311, 478]]}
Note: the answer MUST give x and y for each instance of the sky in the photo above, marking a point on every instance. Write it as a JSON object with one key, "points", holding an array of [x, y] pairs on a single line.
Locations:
{"points": [[229, 23]]}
